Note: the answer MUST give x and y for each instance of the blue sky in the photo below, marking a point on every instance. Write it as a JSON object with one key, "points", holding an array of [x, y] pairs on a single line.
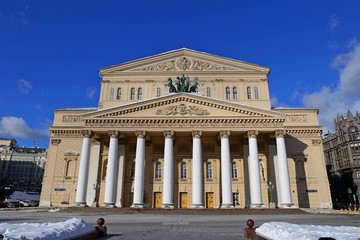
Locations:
{"points": [[51, 51]]}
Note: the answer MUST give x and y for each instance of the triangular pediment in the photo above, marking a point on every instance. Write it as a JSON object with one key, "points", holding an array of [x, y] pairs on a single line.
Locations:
{"points": [[184, 60], [184, 105]]}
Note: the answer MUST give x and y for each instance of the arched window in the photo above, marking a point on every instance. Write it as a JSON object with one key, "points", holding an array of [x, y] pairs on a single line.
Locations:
{"points": [[235, 96], [158, 170], [139, 93], [183, 170], [248, 92], [227, 93], [132, 94], [209, 170], [158, 92], [118, 96], [112, 94], [208, 92], [256, 92]]}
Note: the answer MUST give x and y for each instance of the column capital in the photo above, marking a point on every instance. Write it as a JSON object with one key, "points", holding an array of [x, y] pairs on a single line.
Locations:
{"points": [[196, 133], [252, 133], [168, 133], [113, 133], [140, 133], [280, 133], [224, 133], [87, 133]]}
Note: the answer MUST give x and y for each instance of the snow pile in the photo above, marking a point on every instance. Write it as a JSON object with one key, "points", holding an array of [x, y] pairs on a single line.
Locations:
{"points": [[288, 231], [37, 231]]}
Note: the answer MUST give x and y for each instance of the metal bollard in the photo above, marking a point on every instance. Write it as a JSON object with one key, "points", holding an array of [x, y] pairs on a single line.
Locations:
{"points": [[100, 229]]}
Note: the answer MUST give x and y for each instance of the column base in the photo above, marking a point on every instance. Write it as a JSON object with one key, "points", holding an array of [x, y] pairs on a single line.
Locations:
{"points": [[80, 204], [167, 206], [197, 206], [109, 205], [257, 205], [227, 206], [287, 205], [137, 205]]}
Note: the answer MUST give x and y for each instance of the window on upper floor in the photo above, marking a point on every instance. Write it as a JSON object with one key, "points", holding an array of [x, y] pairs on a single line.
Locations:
{"points": [[111, 93], [353, 133], [357, 174], [256, 93], [248, 92], [158, 170], [139, 93], [234, 170], [132, 170], [158, 92], [235, 95], [132, 94], [118, 96], [227, 93], [183, 170], [209, 170], [208, 92]]}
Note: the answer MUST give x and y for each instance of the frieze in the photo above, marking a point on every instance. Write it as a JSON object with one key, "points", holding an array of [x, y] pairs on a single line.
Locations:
{"points": [[297, 118], [183, 64], [304, 132], [72, 118], [182, 110], [66, 133]]}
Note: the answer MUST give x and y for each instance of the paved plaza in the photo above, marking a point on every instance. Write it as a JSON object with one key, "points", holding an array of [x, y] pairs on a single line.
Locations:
{"points": [[179, 224]]}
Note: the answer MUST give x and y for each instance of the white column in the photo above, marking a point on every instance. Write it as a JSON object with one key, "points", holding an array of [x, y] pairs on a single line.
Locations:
{"points": [[284, 179], [226, 178], [254, 171], [83, 169], [168, 181], [138, 201], [120, 182], [111, 170], [197, 172]]}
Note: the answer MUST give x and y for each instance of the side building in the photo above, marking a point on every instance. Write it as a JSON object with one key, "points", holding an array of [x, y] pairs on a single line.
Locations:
{"points": [[21, 168], [185, 129], [342, 155]]}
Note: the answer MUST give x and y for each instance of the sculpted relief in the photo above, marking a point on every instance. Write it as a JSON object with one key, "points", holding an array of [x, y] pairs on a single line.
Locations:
{"points": [[184, 64], [182, 110]]}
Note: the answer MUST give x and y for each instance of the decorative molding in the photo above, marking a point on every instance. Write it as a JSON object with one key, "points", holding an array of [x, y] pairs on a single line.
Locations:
{"points": [[316, 141], [182, 109], [196, 133], [71, 154], [184, 99], [280, 133], [184, 64], [72, 118], [304, 132], [252, 133], [297, 118], [55, 142], [224, 133]]}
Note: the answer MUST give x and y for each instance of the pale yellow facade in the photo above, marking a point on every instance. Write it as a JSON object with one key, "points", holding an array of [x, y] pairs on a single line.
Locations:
{"points": [[232, 102]]}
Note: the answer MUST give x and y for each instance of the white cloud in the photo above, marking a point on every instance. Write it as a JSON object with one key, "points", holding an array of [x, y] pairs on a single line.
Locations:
{"points": [[15, 127], [90, 92], [345, 96], [334, 22], [24, 86]]}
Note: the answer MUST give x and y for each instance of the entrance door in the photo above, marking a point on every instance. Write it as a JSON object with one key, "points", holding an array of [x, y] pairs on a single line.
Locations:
{"points": [[157, 200], [210, 200], [183, 200]]}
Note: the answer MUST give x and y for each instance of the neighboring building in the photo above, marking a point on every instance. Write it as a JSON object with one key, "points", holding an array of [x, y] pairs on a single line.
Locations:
{"points": [[21, 168], [342, 155], [185, 129]]}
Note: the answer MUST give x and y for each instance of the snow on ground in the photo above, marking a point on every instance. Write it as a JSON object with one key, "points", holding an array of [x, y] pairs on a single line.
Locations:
{"points": [[37, 231], [288, 231]]}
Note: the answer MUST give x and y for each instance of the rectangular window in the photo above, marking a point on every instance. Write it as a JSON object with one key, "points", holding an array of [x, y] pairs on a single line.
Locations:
{"points": [[112, 94], [158, 170], [209, 171], [236, 198], [234, 170], [183, 170]]}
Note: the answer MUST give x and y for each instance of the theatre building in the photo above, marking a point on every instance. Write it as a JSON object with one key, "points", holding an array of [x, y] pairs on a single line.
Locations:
{"points": [[185, 129]]}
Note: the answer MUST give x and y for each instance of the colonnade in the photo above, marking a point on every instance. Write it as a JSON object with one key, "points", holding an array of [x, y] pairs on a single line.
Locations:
{"points": [[197, 171]]}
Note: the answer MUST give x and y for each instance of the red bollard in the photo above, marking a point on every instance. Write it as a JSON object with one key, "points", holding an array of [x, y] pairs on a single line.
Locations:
{"points": [[101, 230], [249, 231]]}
